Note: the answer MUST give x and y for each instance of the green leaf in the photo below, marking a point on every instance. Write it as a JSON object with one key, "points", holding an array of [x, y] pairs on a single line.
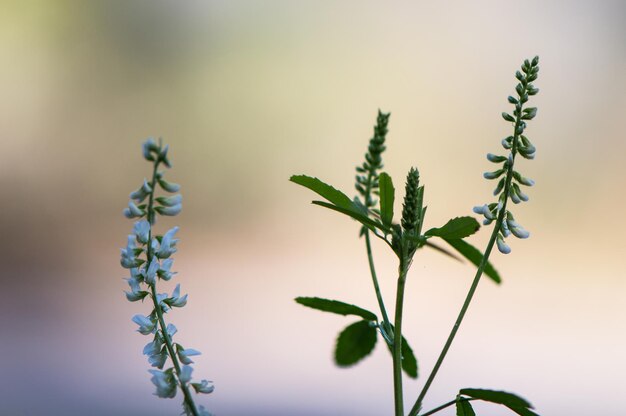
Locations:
{"points": [[409, 362], [458, 227], [355, 343], [464, 408], [324, 190], [475, 256], [387, 196], [336, 306], [363, 219], [443, 250], [510, 400]]}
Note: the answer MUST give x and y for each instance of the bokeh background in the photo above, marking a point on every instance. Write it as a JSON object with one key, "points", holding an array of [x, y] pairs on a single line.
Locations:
{"points": [[248, 93]]}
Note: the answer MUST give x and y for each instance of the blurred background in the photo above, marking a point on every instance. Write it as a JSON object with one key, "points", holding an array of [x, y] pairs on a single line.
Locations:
{"points": [[247, 94]]}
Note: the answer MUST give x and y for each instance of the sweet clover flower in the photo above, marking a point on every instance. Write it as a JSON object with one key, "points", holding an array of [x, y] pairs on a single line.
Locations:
{"points": [[148, 257], [508, 187]]}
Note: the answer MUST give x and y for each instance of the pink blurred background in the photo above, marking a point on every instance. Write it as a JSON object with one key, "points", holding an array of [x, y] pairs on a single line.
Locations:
{"points": [[248, 93]]}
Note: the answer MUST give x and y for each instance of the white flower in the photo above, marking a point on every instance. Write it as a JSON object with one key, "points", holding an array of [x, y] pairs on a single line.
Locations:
{"points": [[142, 230], [158, 360], [203, 387], [146, 325], [128, 260], [170, 211], [170, 201], [517, 230], [133, 211], [135, 293], [171, 330], [140, 194], [151, 271], [502, 246], [164, 271], [153, 347], [176, 301], [148, 147], [164, 382], [169, 186], [185, 374], [184, 354], [168, 244]]}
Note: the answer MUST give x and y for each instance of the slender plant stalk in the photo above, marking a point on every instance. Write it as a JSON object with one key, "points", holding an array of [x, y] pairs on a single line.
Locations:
{"points": [[443, 406], [468, 299], [157, 307], [397, 340], [379, 295]]}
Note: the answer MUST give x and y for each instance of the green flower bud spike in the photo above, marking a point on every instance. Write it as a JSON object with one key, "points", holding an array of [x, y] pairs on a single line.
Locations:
{"points": [[410, 207], [367, 173]]}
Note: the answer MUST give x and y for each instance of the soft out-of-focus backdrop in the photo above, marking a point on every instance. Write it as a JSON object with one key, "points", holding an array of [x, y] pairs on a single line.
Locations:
{"points": [[248, 93]]}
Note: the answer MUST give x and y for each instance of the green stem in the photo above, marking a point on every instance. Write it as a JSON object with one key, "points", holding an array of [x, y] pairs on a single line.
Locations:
{"points": [[370, 258], [379, 295], [443, 406], [159, 311], [397, 340], [468, 299]]}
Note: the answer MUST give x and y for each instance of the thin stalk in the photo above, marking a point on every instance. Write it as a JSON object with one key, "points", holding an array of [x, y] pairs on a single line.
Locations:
{"points": [[370, 258], [468, 299], [379, 295], [443, 406], [397, 340], [159, 311]]}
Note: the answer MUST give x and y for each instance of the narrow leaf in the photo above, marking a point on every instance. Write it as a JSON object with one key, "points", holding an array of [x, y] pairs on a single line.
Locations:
{"points": [[355, 343], [475, 256], [387, 196], [363, 219], [324, 190], [510, 400], [459, 227], [464, 408], [443, 250], [335, 306]]}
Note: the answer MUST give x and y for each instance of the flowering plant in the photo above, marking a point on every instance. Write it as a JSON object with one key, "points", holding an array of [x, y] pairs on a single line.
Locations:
{"points": [[148, 258], [406, 237]]}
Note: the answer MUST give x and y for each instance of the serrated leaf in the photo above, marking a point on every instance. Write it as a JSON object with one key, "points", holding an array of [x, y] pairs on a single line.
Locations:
{"points": [[354, 343], [351, 212], [510, 400], [335, 306], [459, 227], [387, 197], [409, 362], [475, 256], [464, 408], [324, 190]]}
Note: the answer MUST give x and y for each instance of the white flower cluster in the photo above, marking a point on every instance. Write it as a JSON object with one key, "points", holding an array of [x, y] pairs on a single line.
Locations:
{"points": [[148, 258], [510, 180]]}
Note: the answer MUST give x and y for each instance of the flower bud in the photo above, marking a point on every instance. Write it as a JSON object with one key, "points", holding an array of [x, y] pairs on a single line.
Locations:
{"points": [[502, 246]]}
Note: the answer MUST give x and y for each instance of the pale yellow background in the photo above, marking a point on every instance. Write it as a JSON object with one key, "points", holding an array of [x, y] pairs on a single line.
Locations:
{"points": [[248, 93]]}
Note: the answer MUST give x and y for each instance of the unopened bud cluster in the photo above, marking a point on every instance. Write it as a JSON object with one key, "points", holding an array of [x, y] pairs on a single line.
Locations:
{"points": [[410, 206], [367, 174], [510, 180], [148, 258]]}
